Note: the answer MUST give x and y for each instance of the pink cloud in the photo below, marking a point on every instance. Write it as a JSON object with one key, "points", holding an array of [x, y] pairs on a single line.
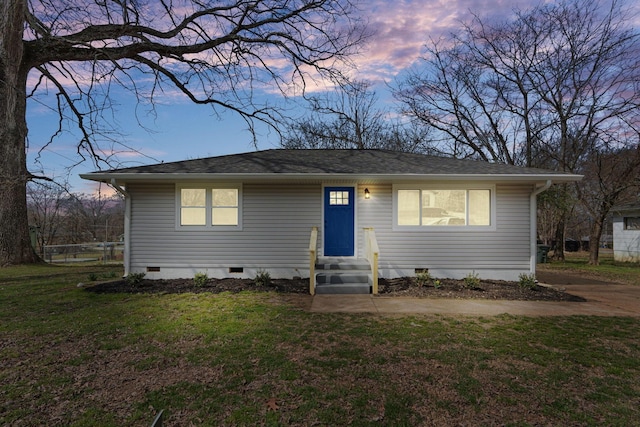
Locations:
{"points": [[402, 27]]}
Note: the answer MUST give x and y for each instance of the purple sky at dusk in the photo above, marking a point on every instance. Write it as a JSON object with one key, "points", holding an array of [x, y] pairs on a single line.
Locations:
{"points": [[183, 130]]}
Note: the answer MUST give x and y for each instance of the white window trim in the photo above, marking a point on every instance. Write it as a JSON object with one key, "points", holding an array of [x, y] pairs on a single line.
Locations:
{"points": [[208, 206], [441, 228]]}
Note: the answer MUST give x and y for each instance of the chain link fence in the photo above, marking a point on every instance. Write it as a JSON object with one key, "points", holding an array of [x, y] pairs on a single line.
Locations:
{"points": [[105, 252]]}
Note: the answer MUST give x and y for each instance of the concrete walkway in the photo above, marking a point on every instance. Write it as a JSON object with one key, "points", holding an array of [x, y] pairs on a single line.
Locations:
{"points": [[602, 300]]}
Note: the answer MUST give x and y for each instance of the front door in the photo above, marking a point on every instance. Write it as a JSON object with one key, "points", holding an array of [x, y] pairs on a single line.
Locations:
{"points": [[339, 221]]}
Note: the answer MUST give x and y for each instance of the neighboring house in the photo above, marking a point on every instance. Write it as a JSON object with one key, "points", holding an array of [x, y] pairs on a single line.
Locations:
{"points": [[239, 214], [626, 233]]}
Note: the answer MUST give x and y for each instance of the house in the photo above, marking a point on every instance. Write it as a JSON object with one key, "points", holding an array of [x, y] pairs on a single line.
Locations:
{"points": [[626, 233], [290, 212]]}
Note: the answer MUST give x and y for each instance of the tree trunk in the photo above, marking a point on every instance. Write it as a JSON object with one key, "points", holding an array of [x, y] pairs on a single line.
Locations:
{"points": [[594, 241], [15, 244], [558, 251]]}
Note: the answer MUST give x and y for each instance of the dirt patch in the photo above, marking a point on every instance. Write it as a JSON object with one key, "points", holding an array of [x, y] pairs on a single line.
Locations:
{"points": [[404, 286], [561, 278]]}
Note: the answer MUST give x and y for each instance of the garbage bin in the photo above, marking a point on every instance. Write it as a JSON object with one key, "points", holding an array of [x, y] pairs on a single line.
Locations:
{"points": [[543, 253]]}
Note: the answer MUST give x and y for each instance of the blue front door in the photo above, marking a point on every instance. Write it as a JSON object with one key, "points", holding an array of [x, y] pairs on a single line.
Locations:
{"points": [[339, 221]]}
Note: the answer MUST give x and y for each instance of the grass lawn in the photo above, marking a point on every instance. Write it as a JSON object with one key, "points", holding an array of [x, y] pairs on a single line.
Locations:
{"points": [[74, 358]]}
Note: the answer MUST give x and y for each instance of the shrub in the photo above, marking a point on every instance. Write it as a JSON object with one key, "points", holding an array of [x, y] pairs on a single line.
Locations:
{"points": [[472, 281], [110, 275], [200, 279], [527, 281], [423, 278], [437, 284], [135, 279], [263, 278], [92, 277]]}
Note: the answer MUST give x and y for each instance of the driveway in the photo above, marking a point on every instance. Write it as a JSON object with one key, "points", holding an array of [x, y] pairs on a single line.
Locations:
{"points": [[603, 299], [617, 298]]}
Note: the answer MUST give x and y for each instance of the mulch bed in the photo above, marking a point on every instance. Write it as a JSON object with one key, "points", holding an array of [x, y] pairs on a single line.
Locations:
{"points": [[214, 286], [400, 287], [487, 289]]}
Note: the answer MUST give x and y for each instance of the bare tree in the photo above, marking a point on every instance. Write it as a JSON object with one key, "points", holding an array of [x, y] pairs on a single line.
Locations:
{"points": [[550, 85], [94, 217], [217, 53], [349, 118], [47, 205], [62, 217], [612, 176], [548, 80], [552, 206], [345, 118], [472, 90]]}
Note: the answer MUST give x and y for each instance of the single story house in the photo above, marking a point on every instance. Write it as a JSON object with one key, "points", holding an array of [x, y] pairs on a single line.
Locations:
{"points": [[307, 212], [626, 233]]}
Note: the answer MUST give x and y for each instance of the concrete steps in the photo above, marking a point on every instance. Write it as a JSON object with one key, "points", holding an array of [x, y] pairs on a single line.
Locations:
{"points": [[336, 275]]}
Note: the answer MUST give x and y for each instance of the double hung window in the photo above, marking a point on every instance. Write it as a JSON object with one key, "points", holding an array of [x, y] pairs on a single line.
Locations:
{"points": [[208, 206]]}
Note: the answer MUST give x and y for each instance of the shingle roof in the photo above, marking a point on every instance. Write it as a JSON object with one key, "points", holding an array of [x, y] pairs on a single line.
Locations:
{"points": [[626, 208], [329, 162]]}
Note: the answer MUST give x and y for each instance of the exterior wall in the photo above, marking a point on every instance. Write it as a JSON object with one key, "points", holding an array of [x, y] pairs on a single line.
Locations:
{"points": [[276, 227], [503, 253], [626, 243]]}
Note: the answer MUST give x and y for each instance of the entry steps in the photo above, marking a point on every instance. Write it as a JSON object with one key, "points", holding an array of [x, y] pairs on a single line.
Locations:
{"points": [[337, 275]]}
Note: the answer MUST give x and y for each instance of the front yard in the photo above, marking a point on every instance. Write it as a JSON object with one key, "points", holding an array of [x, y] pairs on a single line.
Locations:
{"points": [[608, 270], [72, 357]]}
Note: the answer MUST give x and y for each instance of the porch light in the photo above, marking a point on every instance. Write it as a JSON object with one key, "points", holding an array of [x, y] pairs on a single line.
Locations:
{"points": [[367, 194]]}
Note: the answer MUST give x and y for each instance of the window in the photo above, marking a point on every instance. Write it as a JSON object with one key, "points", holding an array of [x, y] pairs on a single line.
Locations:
{"points": [[444, 207], [193, 208], [631, 223], [208, 206], [338, 197], [224, 206]]}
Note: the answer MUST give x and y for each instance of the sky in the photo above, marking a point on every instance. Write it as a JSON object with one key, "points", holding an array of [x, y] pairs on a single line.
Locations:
{"points": [[182, 130]]}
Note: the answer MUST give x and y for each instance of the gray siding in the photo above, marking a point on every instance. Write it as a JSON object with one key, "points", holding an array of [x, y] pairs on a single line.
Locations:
{"points": [[277, 223], [508, 247], [626, 243]]}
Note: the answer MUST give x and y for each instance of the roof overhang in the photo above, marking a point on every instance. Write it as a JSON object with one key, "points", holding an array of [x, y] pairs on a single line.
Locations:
{"points": [[373, 178], [625, 210]]}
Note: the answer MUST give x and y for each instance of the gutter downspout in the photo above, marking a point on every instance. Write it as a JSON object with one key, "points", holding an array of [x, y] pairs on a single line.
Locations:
{"points": [[127, 225], [533, 210]]}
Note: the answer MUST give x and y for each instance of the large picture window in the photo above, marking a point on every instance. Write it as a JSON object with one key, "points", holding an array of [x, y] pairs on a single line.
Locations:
{"points": [[444, 207], [208, 206]]}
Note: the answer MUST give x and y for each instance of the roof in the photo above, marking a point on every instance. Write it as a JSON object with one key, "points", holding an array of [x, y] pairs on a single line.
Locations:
{"points": [[626, 209], [343, 164]]}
